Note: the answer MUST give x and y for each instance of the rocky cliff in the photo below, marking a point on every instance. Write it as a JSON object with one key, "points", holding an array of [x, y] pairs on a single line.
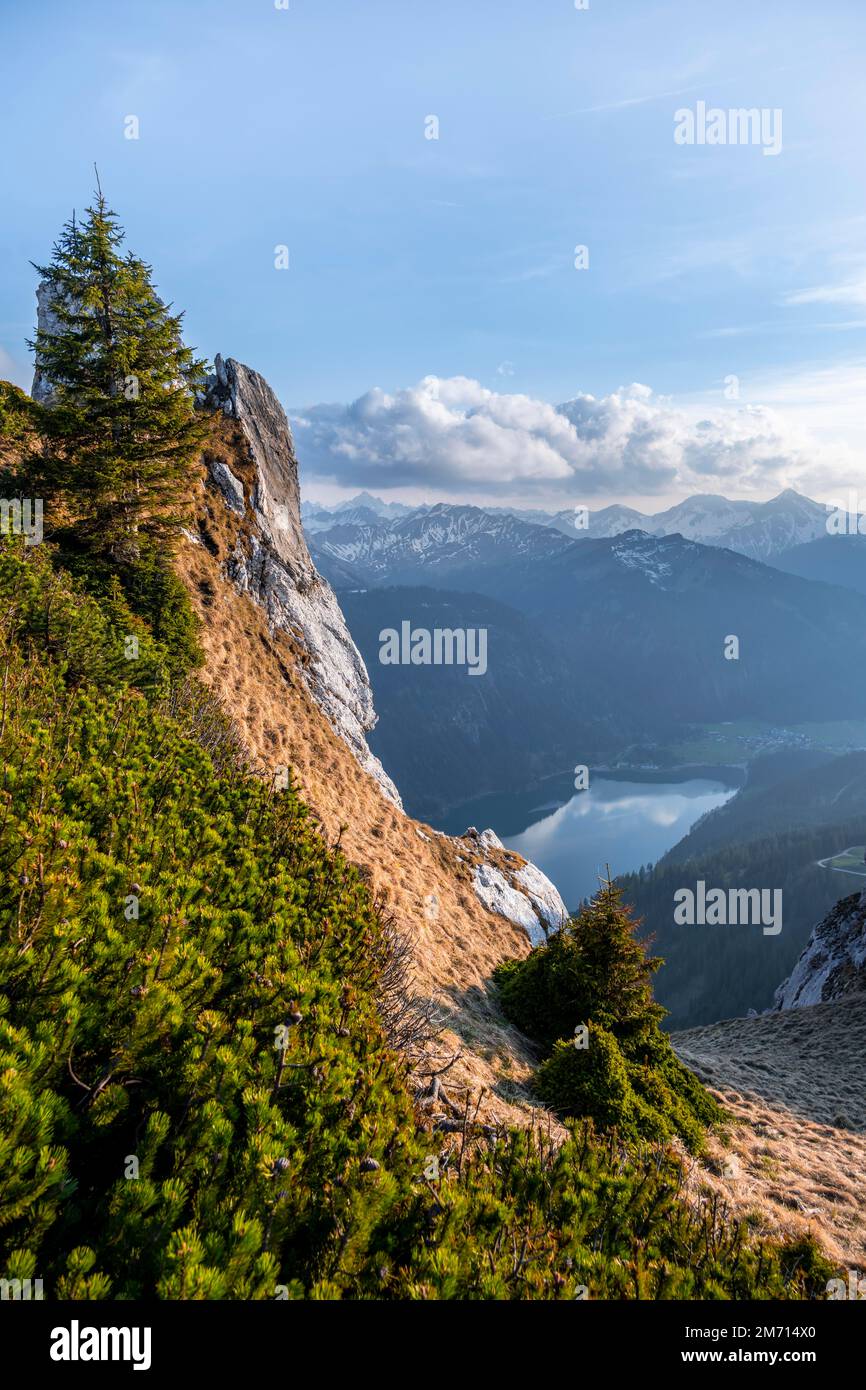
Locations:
{"points": [[46, 322], [833, 962], [270, 560], [281, 658], [257, 534]]}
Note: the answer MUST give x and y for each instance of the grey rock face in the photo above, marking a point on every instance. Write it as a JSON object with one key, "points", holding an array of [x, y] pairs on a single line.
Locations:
{"points": [[231, 487], [833, 963], [271, 562], [46, 322], [526, 896], [243, 394]]}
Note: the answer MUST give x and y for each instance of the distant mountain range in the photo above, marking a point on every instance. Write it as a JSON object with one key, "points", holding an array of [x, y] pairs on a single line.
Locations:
{"points": [[437, 546], [363, 508], [761, 530], [652, 614], [445, 737], [617, 637]]}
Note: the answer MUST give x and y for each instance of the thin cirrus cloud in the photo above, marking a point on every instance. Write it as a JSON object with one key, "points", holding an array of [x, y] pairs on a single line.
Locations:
{"points": [[457, 435], [852, 291]]}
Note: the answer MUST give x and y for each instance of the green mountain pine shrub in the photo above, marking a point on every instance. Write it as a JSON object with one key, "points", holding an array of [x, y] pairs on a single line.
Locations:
{"points": [[622, 1072], [48, 613], [197, 1099], [20, 418]]}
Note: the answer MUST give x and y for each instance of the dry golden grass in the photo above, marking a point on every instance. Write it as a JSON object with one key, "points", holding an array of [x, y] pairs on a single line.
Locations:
{"points": [[795, 1154], [786, 1160], [256, 673]]}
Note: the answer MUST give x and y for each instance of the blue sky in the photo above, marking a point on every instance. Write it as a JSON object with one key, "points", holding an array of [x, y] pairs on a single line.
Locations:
{"points": [[453, 258]]}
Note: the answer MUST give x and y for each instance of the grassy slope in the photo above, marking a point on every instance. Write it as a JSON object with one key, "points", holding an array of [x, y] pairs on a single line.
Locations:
{"points": [[794, 1083], [165, 918], [151, 1038]]}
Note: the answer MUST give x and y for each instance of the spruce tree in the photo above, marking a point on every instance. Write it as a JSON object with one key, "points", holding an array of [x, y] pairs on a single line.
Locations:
{"points": [[595, 967], [616, 970], [122, 431]]}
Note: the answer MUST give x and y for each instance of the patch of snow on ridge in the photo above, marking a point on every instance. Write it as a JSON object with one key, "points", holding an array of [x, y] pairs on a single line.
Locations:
{"points": [[640, 552]]}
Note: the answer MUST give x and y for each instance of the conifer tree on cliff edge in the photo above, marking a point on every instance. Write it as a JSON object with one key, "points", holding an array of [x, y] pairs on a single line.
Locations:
{"points": [[121, 431]]}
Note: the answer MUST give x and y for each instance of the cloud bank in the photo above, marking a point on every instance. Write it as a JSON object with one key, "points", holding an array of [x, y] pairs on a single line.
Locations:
{"points": [[455, 434]]}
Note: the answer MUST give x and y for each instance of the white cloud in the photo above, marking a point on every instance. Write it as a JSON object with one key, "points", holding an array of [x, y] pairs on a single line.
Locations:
{"points": [[852, 291], [456, 435]]}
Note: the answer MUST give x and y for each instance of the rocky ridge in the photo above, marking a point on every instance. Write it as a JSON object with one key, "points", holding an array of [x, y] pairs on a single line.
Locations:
{"points": [[833, 962], [272, 564], [269, 561]]}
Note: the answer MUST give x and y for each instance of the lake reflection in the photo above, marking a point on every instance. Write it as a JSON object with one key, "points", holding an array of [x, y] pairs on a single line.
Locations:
{"points": [[624, 824]]}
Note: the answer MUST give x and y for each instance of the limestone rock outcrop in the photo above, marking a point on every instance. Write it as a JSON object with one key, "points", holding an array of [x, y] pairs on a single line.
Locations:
{"points": [[833, 961], [272, 564]]}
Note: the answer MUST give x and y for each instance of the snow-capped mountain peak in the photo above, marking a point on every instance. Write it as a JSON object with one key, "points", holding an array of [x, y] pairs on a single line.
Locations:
{"points": [[443, 538], [760, 530]]}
